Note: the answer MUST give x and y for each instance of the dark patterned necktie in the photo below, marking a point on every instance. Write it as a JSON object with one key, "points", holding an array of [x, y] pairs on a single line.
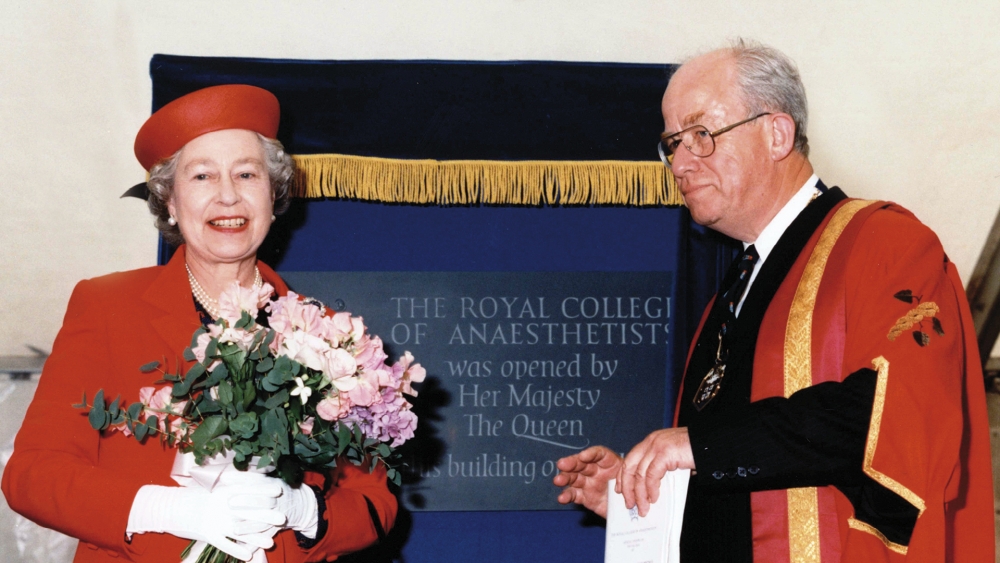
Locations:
{"points": [[738, 277]]}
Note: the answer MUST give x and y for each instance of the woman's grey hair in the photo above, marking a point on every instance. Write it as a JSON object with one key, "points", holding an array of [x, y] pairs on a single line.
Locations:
{"points": [[280, 170], [771, 82]]}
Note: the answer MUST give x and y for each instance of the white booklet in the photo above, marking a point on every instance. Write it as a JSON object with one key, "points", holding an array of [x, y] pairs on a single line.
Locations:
{"points": [[653, 538]]}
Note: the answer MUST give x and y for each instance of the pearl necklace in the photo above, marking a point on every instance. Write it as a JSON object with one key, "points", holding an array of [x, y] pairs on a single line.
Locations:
{"points": [[212, 305]]}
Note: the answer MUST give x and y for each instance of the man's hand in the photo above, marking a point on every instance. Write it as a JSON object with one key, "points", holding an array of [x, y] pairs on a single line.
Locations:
{"points": [[585, 477], [639, 476]]}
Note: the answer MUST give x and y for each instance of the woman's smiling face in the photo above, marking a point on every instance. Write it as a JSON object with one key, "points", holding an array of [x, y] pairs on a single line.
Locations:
{"points": [[222, 198]]}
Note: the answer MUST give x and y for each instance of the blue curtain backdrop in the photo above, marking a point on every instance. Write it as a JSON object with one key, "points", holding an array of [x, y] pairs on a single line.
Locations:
{"points": [[471, 110]]}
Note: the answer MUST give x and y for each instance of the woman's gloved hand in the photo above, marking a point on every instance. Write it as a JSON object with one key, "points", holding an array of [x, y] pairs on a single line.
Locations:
{"points": [[236, 519], [297, 504]]}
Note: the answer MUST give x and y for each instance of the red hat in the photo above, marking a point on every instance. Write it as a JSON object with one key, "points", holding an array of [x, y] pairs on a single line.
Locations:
{"points": [[231, 106]]}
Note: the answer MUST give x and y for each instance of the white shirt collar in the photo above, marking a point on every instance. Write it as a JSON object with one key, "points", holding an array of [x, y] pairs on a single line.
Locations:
{"points": [[776, 227], [773, 231]]}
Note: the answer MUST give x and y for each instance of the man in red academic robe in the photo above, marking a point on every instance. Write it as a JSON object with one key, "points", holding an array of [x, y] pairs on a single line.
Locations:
{"points": [[832, 407]]}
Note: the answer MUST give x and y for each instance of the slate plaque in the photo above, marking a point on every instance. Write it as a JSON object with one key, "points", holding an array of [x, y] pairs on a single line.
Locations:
{"points": [[523, 368]]}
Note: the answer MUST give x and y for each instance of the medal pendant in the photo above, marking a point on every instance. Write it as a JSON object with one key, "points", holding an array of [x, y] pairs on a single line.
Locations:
{"points": [[709, 386]]}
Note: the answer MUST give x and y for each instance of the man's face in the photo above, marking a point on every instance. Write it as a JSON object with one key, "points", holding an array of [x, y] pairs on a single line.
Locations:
{"points": [[726, 189]]}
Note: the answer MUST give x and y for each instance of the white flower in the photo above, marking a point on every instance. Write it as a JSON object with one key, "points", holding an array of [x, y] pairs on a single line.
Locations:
{"points": [[301, 390]]}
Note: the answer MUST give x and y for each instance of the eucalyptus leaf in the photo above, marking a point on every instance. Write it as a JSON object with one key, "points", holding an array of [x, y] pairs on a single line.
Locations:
{"points": [[210, 428], [265, 460], [245, 320], [343, 438], [195, 371], [225, 390], [275, 379], [194, 338], [249, 394], [219, 373], [244, 425], [212, 348], [276, 400], [133, 411], [97, 413], [151, 366], [205, 405]]}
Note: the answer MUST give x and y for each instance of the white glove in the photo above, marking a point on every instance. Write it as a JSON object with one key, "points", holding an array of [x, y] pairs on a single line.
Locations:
{"points": [[218, 517], [297, 505]]}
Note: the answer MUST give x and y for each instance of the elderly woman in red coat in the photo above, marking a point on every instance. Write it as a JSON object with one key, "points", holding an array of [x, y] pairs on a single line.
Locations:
{"points": [[217, 179]]}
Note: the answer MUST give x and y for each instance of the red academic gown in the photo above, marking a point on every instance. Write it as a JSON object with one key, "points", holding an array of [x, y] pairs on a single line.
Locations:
{"points": [[872, 294], [66, 476]]}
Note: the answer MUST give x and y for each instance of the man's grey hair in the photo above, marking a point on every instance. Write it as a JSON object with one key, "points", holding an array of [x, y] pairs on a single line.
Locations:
{"points": [[280, 170], [770, 82]]}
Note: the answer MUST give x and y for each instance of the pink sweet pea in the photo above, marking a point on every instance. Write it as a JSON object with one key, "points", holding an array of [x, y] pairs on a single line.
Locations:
{"points": [[204, 338], [369, 354], [407, 373], [305, 349], [364, 393], [235, 299], [158, 403], [289, 313], [333, 407], [306, 426], [241, 338], [340, 327], [339, 364]]}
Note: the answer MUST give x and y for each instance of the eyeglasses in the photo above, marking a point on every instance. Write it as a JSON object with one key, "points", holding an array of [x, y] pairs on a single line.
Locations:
{"points": [[696, 139]]}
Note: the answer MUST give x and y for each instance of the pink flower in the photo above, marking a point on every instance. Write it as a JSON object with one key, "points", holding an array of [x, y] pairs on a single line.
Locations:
{"points": [[407, 373], [306, 426], [123, 428], [369, 354], [235, 299], [364, 393], [333, 407], [289, 313], [339, 364], [305, 349], [341, 326], [241, 338], [204, 338], [357, 328], [159, 403], [155, 398]]}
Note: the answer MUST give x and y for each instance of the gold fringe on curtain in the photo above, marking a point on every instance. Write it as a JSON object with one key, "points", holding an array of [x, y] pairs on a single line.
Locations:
{"points": [[470, 182]]}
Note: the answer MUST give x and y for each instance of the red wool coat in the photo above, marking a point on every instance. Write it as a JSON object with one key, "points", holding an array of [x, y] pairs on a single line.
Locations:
{"points": [[66, 476]]}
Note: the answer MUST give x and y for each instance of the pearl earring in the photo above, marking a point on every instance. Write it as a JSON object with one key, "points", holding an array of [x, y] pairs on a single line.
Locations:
{"points": [[172, 222], [273, 218]]}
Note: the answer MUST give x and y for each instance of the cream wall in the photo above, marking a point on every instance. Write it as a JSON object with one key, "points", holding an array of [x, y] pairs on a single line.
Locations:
{"points": [[905, 99]]}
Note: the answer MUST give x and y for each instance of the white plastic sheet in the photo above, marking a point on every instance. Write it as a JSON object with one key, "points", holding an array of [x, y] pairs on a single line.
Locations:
{"points": [[21, 540]]}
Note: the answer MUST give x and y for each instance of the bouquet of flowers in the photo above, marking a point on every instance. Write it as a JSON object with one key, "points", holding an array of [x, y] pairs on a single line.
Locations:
{"points": [[304, 391]]}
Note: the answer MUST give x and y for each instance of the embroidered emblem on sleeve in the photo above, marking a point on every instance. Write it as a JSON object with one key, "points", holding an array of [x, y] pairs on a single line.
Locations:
{"points": [[916, 317]]}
